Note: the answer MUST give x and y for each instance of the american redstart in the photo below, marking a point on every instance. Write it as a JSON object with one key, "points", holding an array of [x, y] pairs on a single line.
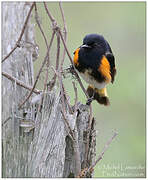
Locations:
{"points": [[95, 62]]}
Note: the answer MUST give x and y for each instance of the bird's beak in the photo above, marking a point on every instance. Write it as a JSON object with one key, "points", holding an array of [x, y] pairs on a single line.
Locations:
{"points": [[85, 46]]}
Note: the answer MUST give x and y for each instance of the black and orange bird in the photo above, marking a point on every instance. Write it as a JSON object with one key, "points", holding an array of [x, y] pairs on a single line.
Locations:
{"points": [[95, 62]]}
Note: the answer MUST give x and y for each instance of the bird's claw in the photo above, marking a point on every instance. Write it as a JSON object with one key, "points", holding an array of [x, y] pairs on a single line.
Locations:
{"points": [[89, 100]]}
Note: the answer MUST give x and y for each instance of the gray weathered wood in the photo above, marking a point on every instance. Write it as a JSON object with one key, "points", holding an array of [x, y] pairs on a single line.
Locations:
{"points": [[19, 65], [35, 144]]}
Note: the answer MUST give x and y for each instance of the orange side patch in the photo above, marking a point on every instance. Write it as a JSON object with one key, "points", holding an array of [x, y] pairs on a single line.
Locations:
{"points": [[76, 56], [105, 69]]}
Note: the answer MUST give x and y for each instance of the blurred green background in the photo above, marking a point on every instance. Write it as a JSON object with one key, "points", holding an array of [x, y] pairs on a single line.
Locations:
{"points": [[123, 26]]}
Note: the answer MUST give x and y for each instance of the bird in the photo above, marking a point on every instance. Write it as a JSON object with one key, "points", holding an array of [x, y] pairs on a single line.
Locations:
{"points": [[95, 62]]}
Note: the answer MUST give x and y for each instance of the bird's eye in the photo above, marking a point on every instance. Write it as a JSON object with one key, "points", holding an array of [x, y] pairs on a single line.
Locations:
{"points": [[90, 43], [93, 44], [96, 44]]}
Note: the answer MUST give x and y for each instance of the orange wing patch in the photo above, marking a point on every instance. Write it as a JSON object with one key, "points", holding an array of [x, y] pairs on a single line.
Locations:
{"points": [[76, 56], [104, 68]]}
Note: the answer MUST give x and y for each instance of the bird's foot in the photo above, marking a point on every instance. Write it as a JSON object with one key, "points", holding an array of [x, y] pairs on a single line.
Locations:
{"points": [[69, 70], [89, 100]]}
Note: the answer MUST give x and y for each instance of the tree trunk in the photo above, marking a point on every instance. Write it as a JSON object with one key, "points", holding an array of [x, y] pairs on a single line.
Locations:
{"points": [[35, 143]]}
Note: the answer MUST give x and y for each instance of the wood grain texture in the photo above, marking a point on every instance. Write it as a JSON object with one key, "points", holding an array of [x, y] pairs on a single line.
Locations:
{"points": [[45, 149], [20, 66]]}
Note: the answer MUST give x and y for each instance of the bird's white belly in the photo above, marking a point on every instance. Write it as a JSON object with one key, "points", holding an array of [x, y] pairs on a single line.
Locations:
{"points": [[90, 80]]}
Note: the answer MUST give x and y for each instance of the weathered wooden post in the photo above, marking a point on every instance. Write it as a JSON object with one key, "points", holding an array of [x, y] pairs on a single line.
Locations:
{"points": [[15, 142], [35, 143]]}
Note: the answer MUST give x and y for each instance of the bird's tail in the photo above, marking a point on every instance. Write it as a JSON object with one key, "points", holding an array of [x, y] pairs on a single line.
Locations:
{"points": [[100, 95]]}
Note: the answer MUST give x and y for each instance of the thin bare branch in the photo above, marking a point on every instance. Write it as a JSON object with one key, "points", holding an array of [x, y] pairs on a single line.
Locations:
{"points": [[63, 17], [58, 51], [64, 107], [63, 111], [71, 60], [76, 97], [56, 28], [67, 124], [66, 98], [20, 83], [45, 59], [74, 134], [49, 14], [45, 81], [102, 153], [57, 60], [64, 53], [64, 91], [21, 34], [16, 45], [76, 74], [65, 33], [39, 25]]}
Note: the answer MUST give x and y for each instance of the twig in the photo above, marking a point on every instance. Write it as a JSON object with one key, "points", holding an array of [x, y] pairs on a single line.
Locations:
{"points": [[66, 47], [45, 59], [20, 83], [64, 92], [16, 45], [39, 25], [57, 62], [74, 134], [63, 17], [50, 16], [76, 74], [22, 32], [65, 33], [67, 124], [3, 123], [76, 97], [66, 98], [58, 51], [45, 81], [54, 23], [102, 153], [46, 76], [64, 106], [56, 28], [63, 111], [64, 53]]}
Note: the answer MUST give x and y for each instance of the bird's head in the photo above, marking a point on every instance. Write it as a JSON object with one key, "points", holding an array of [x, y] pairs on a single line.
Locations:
{"points": [[94, 40]]}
